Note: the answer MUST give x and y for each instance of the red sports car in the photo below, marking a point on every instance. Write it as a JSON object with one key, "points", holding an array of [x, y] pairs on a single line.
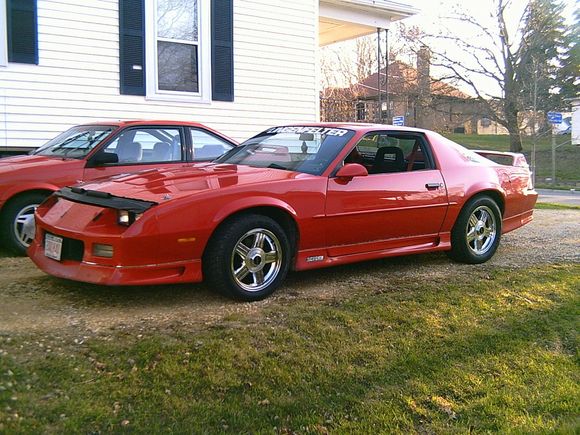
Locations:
{"points": [[88, 152], [299, 197]]}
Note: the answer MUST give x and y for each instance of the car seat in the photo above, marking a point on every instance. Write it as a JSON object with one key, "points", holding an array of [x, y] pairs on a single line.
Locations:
{"points": [[129, 152], [389, 159], [161, 152]]}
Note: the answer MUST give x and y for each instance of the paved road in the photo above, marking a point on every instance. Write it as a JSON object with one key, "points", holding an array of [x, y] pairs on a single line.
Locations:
{"points": [[568, 197]]}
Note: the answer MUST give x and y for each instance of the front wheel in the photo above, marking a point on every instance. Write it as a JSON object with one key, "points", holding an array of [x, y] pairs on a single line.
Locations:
{"points": [[17, 222], [477, 231], [248, 258]]}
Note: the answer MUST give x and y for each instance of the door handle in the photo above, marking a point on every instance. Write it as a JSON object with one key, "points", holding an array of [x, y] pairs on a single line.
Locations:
{"points": [[432, 186]]}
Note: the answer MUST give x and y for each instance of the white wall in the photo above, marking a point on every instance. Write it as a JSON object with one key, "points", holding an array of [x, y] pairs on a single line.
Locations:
{"points": [[77, 79]]}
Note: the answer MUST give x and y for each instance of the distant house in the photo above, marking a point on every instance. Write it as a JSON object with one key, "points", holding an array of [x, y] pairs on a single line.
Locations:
{"points": [[237, 66], [410, 92]]}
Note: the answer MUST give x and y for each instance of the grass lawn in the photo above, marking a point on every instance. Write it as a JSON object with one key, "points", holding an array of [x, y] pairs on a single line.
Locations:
{"points": [[489, 350], [567, 156]]}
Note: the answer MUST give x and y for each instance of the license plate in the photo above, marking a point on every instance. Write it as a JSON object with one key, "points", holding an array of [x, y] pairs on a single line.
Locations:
{"points": [[53, 246]]}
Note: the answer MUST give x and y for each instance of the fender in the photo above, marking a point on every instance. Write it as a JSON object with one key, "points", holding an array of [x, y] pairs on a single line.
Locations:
{"points": [[19, 188], [456, 202], [252, 202], [483, 186]]}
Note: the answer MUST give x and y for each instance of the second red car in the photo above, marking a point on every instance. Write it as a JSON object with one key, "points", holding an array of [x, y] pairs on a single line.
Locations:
{"points": [[92, 151]]}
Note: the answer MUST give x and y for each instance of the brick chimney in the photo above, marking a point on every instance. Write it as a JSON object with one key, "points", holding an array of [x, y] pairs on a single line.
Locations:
{"points": [[422, 118], [423, 67]]}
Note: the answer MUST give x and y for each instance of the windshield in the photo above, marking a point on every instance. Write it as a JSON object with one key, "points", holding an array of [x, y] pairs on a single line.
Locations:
{"points": [[301, 149], [76, 142]]}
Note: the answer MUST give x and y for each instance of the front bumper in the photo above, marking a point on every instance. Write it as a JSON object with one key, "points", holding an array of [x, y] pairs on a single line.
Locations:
{"points": [[150, 274]]}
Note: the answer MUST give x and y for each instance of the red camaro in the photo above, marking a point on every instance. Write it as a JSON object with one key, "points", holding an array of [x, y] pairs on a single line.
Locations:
{"points": [[299, 197], [88, 152]]}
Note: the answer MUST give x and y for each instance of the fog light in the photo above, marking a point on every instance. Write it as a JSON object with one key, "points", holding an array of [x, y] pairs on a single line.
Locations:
{"points": [[100, 250]]}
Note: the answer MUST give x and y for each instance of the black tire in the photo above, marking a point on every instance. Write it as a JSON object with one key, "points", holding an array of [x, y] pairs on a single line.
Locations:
{"points": [[263, 266], [472, 241], [11, 232]]}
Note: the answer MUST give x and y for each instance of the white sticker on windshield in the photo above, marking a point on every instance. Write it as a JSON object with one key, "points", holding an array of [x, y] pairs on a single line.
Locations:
{"points": [[298, 130]]}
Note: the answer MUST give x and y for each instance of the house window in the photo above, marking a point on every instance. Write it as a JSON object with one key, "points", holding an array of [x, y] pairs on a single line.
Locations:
{"points": [[3, 30], [361, 111], [178, 45], [178, 54], [18, 22]]}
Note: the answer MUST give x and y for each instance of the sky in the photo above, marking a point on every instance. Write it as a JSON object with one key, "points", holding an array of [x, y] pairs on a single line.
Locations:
{"points": [[432, 9], [430, 20]]}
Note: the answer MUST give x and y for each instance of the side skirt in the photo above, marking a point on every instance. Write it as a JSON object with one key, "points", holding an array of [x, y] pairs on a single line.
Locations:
{"points": [[319, 258]]}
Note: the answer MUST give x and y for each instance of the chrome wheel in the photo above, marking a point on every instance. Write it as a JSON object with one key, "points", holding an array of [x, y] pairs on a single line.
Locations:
{"points": [[23, 226], [256, 260], [481, 230]]}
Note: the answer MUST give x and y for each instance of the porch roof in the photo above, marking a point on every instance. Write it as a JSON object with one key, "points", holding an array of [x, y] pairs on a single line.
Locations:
{"points": [[340, 20]]}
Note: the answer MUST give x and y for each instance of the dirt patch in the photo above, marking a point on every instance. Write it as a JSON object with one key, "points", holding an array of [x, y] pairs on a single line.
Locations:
{"points": [[31, 301]]}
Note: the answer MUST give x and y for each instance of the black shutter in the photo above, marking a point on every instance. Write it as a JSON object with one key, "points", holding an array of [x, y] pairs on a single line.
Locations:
{"points": [[132, 46], [222, 50], [22, 31]]}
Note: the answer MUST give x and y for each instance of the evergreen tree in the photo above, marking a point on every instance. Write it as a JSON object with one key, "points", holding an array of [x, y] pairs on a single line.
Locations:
{"points": [[569, 73], [542, 54]]}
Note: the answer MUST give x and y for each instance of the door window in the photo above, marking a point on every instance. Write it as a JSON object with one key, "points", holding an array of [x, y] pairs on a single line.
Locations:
{"points": [[207, 146], [147, 145], [383, 153]]}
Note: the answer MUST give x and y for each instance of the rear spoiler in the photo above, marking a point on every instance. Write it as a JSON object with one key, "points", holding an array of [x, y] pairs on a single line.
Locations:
{"points": [[505, 158]]}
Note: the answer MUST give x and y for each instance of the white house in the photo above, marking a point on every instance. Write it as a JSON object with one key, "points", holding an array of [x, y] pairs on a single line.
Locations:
{"points": [[234, 65]]}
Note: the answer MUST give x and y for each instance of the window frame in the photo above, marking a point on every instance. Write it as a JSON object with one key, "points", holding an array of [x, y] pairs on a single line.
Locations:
{"points": [[3, 33], [152, 91]]}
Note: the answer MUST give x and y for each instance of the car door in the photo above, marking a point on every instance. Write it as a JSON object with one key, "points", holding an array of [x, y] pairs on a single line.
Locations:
{"points": [[139, 148], [401, 203]]}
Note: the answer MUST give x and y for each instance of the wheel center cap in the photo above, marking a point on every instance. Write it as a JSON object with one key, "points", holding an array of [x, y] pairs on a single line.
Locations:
{"points": [[255, 259]]}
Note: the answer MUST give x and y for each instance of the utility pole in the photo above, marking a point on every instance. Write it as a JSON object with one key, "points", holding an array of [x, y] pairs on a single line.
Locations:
{"points": [[389, 114], [553, 157], [379, 96], [534, 132]]}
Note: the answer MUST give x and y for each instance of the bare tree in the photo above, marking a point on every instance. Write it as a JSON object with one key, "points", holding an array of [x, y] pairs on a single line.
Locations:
{"points": [[498, 55], [491, 57]]}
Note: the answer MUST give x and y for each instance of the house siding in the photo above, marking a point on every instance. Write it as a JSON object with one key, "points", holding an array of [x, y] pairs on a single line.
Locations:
{"points": [[77, 79]]}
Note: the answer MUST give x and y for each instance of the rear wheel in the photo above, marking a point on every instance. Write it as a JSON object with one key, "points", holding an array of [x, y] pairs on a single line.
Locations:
{"points": [[477, 231], [248, 258], [17, 222]]}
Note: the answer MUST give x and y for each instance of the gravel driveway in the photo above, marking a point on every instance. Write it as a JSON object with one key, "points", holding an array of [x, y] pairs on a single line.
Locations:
{"points": [[31, 301]]}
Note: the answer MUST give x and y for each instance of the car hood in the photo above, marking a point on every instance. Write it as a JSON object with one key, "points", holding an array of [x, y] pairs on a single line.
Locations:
{"points": [[162, 185], [33, 163]]}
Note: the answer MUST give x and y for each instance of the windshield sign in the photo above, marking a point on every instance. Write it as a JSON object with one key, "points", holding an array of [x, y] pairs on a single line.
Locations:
{"points": [[301, 149], [76, 142]]}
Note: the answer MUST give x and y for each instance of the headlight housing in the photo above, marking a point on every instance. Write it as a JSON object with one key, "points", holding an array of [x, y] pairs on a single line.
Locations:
{"points": [[126, 218]]}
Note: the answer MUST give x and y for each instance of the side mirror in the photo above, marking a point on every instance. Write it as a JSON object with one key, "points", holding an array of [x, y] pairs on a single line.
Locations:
{"points": [[104, 158], [351, 170]]}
